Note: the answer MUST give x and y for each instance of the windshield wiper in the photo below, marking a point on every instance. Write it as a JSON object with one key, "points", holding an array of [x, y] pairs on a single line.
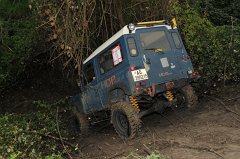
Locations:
{"points": [[155, 49]]}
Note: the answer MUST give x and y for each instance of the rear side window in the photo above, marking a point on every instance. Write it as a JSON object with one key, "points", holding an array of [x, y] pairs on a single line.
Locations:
{"points": [[176, 40], [89, 73], [132, 47], [155, 40], [111, 58]]}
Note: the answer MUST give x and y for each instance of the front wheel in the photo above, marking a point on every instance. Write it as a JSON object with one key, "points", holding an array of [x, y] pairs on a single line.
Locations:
{"points": [[125, 120], [186, 97], [81, 122]]}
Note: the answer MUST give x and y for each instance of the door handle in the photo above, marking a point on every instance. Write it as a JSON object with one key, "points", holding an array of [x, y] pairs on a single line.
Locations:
{"points": [[148, 61]]}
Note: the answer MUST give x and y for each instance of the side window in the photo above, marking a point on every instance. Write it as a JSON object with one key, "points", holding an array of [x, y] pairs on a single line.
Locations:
{"points": [[89, 73], [110, 59], [132, 46], [176, 40]]}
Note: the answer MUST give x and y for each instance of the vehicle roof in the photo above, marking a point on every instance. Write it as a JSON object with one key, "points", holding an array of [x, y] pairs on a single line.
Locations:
{"points": [[123, 31]]}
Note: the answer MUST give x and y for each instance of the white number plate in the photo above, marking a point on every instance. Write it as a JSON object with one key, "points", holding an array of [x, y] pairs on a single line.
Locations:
{"points": [[139, 75]]}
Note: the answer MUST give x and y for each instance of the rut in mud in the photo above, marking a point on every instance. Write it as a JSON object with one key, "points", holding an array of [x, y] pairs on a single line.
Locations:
{"points": [[212, 131]]}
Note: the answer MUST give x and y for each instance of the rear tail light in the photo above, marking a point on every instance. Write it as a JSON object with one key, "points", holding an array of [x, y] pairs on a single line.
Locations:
{"points": [[142, 84], [194, 73], [132, 68]]}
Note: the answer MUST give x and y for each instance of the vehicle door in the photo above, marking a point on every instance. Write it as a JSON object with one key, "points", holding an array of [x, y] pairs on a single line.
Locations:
{"points": [[90, 94], [181, 53], [112, 68], [158, 54]]}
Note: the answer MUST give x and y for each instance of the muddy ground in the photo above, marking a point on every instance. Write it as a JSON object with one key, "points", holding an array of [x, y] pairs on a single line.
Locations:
{"points": [[210, 132]]}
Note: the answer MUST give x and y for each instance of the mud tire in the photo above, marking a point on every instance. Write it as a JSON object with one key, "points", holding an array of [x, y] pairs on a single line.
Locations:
{"points": [[125, 120], [188, 94], [81, 123]]}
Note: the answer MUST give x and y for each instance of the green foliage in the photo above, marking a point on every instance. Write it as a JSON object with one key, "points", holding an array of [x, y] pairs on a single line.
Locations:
{"points": [[17, 40], [214, 50], [14, 9], [155, 155], [31, 135], [220, 11], [205, 25]]}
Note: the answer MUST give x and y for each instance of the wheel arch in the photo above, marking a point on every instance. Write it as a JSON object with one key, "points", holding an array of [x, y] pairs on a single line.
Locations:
{"points": [[117, 93], [76, 104]]}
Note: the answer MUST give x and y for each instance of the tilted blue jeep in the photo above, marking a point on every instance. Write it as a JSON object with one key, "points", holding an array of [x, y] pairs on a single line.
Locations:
{"points": [[143, 68]]}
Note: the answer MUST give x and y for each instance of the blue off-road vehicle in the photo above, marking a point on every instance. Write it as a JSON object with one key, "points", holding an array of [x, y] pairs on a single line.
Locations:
{"points": [[143, 68]]}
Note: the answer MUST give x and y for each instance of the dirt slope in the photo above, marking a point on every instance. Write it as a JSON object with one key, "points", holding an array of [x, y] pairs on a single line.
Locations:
{"points": [[211, 132]]}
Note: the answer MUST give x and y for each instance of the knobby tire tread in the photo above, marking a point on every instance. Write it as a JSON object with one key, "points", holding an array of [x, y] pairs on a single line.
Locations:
{"points": [[191, 97], [133, 118], [83, 122]]}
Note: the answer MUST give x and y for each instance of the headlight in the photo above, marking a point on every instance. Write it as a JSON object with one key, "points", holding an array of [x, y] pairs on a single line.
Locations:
{"points": [[131, 27]]}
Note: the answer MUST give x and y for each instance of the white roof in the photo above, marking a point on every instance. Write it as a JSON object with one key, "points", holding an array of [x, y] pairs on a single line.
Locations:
{"points": [[123, 31]]}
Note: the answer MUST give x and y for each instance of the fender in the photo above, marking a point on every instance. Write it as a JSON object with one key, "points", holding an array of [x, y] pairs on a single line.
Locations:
{"points": [[118, 92], [75, 102]]}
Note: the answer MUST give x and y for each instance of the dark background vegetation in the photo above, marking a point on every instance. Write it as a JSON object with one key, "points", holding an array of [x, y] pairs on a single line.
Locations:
{"points": [[44, 40]]}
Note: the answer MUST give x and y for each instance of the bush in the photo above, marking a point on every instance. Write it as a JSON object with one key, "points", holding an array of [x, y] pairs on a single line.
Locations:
{"points": [[214, 49], [33, 135], [18, 37]]}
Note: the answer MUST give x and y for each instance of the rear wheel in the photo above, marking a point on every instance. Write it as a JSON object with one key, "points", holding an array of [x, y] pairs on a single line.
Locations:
{"points": [[186, 97], [125, 120]]}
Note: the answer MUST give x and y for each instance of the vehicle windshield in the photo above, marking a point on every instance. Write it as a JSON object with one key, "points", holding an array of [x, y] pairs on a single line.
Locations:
{"points": [[156, 40]]}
